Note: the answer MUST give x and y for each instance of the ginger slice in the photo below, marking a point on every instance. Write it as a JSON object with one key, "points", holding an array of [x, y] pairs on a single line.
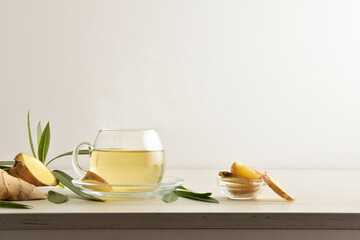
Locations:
{"points": [[12, 188], [242, 186], [242, 191], [234, 178], [33, 171], [91, 177], [276, 187], [230, 175]]}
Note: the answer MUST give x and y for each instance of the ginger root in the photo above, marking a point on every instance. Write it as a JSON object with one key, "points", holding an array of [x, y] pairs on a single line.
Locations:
{"points": [[12, 188]]}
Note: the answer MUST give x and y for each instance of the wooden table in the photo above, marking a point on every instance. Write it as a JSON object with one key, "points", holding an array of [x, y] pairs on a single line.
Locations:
{"points": [[327, 207]]}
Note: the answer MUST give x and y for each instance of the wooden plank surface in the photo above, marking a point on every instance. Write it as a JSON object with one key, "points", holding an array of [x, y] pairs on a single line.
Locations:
{"points": [[62, 221], [326, 199], [181, 234]]}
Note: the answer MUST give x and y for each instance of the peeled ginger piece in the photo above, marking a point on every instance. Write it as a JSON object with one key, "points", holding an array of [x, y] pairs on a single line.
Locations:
{"points": [[245, 171]]}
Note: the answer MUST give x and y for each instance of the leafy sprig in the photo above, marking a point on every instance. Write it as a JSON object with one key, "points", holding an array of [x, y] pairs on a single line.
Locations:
{"points": [[81, 152], [30, 137], [43, 140], [43, 143]]}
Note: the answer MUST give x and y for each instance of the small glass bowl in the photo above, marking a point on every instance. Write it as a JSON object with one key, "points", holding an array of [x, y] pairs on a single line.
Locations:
{"points": [[240, 189]]}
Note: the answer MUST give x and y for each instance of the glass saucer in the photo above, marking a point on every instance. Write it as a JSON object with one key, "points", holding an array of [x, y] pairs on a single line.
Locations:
{"points": [[129, 191]]}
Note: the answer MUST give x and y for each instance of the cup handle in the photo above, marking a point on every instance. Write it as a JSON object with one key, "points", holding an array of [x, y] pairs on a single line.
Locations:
{"points": [[75, 159]]}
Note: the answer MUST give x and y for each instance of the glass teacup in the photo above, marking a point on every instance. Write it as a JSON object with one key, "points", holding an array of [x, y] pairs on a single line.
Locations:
{"points": [[127, 157]]}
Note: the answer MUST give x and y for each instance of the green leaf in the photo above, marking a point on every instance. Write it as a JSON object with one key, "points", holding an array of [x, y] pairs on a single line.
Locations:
{"points": [[170, 197], [7, 163], [56, 197], [183, 189], [6, 204], [81, 152], [30, 137], [187, 193], [66, 180], [39, 132], [44, 143], [193, 196], [64, 175]]}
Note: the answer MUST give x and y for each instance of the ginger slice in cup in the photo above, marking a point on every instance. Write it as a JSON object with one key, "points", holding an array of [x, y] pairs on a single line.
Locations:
{"points": [[244, 171], [242, 191], [230, 175], [236, 186], [224, 174], [239, 188], [276, 187], [233, 178], [91, 177]]}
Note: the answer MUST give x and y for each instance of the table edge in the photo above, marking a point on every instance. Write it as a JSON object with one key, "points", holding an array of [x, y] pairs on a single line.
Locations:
{"points": [[69, 221]]}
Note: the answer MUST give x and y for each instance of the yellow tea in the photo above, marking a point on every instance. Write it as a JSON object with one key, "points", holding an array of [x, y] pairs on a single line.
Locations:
{"points": [[128, 167]]}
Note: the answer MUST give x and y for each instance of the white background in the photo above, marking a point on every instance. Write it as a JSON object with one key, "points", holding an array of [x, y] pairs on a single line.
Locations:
{"points": [[267, 83]]}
